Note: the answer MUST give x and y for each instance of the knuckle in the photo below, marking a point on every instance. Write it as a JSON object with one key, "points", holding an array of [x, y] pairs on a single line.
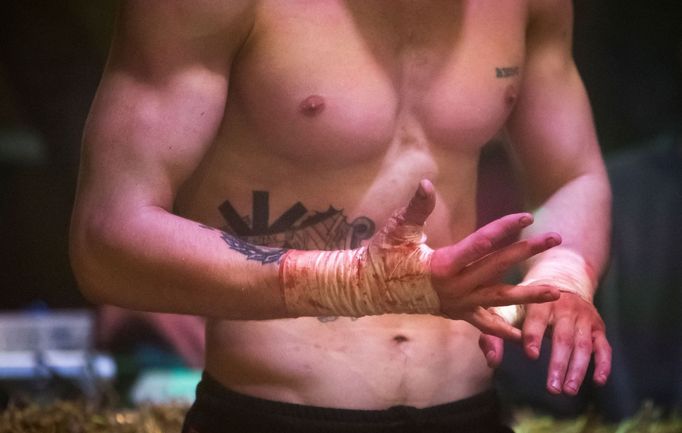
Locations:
{"points": [[563, 338], [480, 244], [602, 365], [607, 350], [505, 261], [530, 339], [501, 297], [583, 345]]}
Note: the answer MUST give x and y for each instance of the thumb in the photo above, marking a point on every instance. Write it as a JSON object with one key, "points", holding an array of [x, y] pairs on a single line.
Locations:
{"points": [[421, 205], [406, 224]]}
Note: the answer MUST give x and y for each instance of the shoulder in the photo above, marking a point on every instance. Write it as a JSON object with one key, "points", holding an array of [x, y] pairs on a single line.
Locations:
{"points": [[550, 18], [546, 12], [170, 20], [197, 15]]}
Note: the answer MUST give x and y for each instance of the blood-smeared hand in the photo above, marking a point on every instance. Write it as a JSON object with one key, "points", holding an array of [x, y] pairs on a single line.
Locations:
{"points": [[466, 275], [577, 333]]}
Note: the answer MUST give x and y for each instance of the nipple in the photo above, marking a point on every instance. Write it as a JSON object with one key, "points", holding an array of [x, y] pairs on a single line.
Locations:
{"points": [[510, 96], [312, 105]]}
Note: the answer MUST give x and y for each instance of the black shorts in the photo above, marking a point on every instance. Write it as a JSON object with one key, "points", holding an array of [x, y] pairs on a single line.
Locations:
{"points": [[217, 410]]}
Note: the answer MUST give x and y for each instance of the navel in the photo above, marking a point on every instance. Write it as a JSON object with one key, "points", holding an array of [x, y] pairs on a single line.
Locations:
{"points": [[312, 105], [400, 339]]}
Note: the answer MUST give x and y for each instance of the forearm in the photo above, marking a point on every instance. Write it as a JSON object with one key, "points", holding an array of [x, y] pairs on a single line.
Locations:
{"points": [[580, 211], [153, 260]]}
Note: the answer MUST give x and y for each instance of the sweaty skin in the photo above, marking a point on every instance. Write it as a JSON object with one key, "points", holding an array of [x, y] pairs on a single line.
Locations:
{"points": [[342, 106]]}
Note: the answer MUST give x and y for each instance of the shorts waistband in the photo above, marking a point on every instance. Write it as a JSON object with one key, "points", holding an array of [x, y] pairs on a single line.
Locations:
{"points": [[482, 408]]}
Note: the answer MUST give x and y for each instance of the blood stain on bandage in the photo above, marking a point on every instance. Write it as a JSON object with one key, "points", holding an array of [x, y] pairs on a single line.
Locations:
{"points": [[312, 105]]}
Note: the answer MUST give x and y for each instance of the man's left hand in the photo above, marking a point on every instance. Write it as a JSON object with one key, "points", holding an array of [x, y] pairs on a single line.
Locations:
{"points": [[577, 332]]}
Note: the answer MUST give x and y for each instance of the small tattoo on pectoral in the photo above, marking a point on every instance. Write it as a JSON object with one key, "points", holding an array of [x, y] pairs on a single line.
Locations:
{"points": [[507, 72]]}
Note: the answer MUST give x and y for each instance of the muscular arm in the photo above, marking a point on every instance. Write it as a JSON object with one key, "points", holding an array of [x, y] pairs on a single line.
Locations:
{"points": [[157, 110], [553, 138]]}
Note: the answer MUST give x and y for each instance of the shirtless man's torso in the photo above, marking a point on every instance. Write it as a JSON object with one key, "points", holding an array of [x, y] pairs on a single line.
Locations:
{"points": [[349, 105], [304, 125]]}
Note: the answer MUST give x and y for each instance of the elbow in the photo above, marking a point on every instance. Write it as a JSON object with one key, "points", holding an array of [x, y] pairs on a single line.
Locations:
{"points": [[85, 267], [91, 262]]}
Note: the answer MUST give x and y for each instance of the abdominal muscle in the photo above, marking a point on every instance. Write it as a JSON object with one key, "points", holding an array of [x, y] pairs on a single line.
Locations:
{"points": [[366, 363], [372, 362]]}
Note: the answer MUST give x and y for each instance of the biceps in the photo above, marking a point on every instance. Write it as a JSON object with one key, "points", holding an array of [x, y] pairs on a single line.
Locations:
{"points": [[552, 131], [142, 139]]}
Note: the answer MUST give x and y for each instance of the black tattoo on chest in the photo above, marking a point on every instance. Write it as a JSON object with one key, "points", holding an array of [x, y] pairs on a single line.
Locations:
{"points": [[507, 72], [258, 240], [296, 228]]}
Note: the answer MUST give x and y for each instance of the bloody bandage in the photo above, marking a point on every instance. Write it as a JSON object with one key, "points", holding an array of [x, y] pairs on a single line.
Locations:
{"points": [[561, 268], [390, 275]]}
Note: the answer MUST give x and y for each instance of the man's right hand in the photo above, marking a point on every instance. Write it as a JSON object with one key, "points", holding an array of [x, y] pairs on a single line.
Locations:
{"points": [[467, 274]]}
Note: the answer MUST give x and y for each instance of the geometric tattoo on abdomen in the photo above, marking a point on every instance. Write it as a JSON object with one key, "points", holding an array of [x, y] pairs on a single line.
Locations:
{"points": [[297, 228]]}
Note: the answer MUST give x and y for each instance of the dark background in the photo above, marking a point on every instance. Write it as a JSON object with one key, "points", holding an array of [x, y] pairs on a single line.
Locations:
{"points": [[51, 57], [630, 57]]}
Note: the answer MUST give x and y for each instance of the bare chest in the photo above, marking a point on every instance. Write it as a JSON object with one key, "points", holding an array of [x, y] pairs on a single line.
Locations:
{"points": [[337, 82]]}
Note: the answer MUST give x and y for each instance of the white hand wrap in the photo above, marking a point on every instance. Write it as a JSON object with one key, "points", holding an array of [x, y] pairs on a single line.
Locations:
{"points": [[512, 314], [390, 275], [561, 268], [565, 270]]}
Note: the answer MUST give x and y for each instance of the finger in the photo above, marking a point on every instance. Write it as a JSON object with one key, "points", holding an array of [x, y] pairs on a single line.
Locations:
{"points": [[484, 240], [534, 327], [492, 348], [498, 295], [495, 265], [421, 205], [602, 357], [563, 341], [580, 359], [406, 224], [492, 324]]}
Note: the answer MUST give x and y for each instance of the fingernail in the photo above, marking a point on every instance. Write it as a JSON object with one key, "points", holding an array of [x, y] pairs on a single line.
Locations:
{"points": [[526, 220], [552, 242], [555, 384], [533, 349], [490, 357], [571, 387]]}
